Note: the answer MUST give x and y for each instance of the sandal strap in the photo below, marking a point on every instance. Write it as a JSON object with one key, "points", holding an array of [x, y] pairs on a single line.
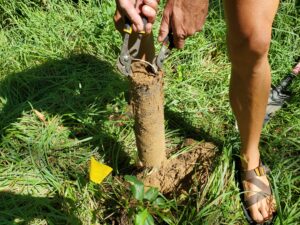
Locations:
{"points": [[257, 172], [253, 199]]}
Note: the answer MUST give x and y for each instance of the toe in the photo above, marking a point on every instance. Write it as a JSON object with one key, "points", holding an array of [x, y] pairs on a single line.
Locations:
{"points": [[265, 212], [256, 215]]}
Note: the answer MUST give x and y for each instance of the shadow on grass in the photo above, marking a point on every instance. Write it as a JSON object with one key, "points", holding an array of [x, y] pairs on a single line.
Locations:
{"points": [[81, 89], [177, 121], [22, 209]]}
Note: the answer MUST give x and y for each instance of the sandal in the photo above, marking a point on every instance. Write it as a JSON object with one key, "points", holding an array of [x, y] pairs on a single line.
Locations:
{"points": [[251, 175]]}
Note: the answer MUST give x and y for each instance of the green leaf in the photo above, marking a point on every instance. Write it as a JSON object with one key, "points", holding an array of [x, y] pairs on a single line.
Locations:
{"points": [[137, 187], [151, 194], [159, 202], [143, 218]]}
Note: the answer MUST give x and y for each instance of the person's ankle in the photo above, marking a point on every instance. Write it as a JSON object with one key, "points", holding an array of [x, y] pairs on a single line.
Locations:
{"points": [[249, 161]]}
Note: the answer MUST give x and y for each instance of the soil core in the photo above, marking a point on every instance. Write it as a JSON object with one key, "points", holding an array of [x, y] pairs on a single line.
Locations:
{"points": [[147, 101]]}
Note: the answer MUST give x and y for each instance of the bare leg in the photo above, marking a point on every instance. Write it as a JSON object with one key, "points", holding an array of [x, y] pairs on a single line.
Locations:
{"points": [[249, 33]]}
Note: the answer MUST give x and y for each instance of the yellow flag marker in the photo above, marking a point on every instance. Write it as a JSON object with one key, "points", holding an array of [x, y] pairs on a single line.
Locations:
{"points": [[98, 171]]}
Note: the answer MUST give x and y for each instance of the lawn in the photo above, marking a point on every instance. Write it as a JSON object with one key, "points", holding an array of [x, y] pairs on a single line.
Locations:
{"points": [[62, 101]]}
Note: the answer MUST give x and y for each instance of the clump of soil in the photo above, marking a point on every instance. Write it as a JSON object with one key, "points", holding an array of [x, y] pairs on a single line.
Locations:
{"points": [[147, 100], [179, 173]]}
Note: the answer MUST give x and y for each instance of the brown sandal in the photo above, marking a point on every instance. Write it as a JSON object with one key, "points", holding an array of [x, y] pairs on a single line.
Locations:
{"points": [[251, 176]]}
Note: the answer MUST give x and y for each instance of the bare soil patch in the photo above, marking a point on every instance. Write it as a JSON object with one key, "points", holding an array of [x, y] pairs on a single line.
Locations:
{"points": [[179, 173]]}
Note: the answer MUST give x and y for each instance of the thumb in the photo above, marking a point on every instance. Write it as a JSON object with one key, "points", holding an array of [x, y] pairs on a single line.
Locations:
{"points": [[164, 27]]}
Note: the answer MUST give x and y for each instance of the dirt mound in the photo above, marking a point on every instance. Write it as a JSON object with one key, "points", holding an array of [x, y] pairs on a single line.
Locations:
{"points": [[179, 173]]}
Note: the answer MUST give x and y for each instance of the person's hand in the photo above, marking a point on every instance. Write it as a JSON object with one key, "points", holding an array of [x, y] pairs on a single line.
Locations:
{"points": [[183, 18], [133, 9]]}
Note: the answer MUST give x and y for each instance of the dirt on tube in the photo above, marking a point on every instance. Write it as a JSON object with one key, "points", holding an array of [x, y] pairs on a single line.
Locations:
{"points": [[147, 99]]}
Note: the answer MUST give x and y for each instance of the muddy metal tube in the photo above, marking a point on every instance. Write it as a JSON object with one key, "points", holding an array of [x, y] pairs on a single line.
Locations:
{"points": [[147, 100]]}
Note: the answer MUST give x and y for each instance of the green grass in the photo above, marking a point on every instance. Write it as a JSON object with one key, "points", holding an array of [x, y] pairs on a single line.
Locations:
{"points": [[58, 57]]}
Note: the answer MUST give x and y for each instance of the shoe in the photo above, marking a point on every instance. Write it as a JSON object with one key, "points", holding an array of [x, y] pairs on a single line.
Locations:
{"points": [[251, 175]]}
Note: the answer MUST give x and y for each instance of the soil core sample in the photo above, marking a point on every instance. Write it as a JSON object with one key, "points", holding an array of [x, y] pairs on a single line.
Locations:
{"points": [[147, 101]]}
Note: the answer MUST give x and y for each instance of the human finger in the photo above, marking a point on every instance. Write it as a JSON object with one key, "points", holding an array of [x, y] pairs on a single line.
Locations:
{"points": [[132, 14], [164, 26], [149, 12], [148, 28], [179, 42], [151, 3], [119, 23]]}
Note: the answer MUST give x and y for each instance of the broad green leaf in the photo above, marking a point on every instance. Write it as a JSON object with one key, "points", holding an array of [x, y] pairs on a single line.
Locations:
{"points": [[143, 218], [159, 202], [151, 194], [137, 187], [131, 179]]}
